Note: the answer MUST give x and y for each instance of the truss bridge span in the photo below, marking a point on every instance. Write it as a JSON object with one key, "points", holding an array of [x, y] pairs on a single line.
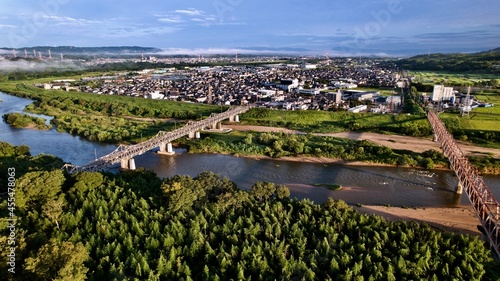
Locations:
{"points": [[125, 154], [485, 205]]}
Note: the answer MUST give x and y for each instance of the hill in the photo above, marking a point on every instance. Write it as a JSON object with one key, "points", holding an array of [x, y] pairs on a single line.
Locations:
{"points": [[483, 62]]}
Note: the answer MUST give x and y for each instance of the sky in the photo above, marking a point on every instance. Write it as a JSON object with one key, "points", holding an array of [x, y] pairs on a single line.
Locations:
{"points": [[333, 27]]}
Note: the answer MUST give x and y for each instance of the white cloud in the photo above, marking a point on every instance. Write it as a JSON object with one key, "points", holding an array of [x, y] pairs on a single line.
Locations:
{"points": [[67, 21], [190, 12], [171, 19], [7, 26], [195, 16]]}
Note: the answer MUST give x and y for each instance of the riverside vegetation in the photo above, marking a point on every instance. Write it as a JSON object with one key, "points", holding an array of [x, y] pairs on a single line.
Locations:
{"points": [[133, 225], [118, 119], [280, 144], [19, 120]]}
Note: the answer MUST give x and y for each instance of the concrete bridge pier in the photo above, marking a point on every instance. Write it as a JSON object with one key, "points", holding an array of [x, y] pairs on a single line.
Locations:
{"points": [[128, 164], [166, 148], [434, 138], [217, 125], [460, 188], [193, 135], [234, 118]]}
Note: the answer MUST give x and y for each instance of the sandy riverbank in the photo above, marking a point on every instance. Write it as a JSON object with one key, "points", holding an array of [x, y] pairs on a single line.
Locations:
{"points": [[460, 219], [391, 141]]}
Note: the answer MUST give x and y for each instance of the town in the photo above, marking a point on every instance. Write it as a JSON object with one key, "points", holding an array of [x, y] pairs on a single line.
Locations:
{"points": [[325, 85]]}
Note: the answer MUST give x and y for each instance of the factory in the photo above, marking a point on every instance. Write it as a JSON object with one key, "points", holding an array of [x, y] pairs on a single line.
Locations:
{"points": [[442, 93]]}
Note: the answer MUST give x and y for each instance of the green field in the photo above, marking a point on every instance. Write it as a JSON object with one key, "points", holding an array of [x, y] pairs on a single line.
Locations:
{"points": [[452, 79], [480, 118], [331, 122]]}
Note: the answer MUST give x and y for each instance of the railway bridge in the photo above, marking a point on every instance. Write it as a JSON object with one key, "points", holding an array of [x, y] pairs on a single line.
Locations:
{"points": [[485, 205], [125, 154]]}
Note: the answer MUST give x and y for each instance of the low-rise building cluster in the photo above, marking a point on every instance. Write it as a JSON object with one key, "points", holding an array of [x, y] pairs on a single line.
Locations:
{"points": [[284, 86]]}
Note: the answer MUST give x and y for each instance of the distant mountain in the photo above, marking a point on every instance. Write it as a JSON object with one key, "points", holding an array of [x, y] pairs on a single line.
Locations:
{"points": [[482, 62], [497, 50]]}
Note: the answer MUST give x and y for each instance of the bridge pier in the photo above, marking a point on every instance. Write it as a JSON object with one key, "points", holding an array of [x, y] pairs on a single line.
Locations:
{"points": [[460, 188], [193, 135], [166, 148], [128, 164], [434, 138], [217, 125], [234, 118]]}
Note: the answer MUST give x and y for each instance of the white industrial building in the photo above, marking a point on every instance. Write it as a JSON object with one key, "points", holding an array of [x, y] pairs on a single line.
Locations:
{"points": [[309, 91], [442, 93], [288, 84], [358, 108], [307, 66]]}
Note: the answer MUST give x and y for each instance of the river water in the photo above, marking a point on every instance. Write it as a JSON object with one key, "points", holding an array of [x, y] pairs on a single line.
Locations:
{"points": [[362, 184]]}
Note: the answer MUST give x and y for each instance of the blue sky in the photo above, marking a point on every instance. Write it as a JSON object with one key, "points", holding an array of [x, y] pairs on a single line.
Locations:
{"points": [[396, 27]]}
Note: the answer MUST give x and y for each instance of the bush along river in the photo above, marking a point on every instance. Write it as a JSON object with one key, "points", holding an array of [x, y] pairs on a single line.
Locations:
{"points": [[370, 185]]}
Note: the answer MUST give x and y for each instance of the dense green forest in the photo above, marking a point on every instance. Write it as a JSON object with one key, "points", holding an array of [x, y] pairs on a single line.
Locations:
{"points": [[135, 226], [482, 62]]}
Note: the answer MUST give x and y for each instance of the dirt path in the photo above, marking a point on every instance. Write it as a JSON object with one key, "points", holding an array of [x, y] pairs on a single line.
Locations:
{"points": [[391, 141]]}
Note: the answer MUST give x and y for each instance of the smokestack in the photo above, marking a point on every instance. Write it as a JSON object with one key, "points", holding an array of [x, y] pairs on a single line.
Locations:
{"points": [[50, 55], [62, 57], [14, 50], [34, 53], [25, 53], [40, 55]]}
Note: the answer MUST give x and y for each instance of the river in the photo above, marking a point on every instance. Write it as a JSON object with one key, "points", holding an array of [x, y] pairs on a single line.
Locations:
{"points": [[369, 185]]}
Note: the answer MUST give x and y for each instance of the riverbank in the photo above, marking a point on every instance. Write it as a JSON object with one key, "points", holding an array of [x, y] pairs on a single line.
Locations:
{"points": [[398, 142], [459, 219], [311, 159]]}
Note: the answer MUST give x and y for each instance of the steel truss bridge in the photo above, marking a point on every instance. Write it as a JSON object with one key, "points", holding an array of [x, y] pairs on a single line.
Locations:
{"points": [[486, 207], [125, 153]]}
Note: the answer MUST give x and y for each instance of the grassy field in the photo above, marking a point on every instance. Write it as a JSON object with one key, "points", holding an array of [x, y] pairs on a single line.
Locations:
{"points": [[452, 79], [480, 118], [383, 91], [331, 122]]}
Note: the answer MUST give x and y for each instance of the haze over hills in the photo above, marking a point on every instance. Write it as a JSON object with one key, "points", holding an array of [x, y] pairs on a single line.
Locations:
{"points": [[291, 51]]}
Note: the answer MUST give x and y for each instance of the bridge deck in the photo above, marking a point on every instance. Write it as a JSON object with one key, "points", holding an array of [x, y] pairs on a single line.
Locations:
{"points": [[485, 205], [128, 152]]}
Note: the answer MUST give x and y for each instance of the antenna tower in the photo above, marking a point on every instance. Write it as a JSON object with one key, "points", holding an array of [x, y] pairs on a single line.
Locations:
{"points": [[467, 106]]}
